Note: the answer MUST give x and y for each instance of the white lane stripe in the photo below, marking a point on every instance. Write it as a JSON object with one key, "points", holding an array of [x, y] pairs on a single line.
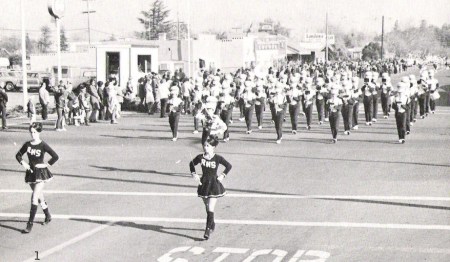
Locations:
{"points": [[69, 242], [241, 222], [170, 194]]}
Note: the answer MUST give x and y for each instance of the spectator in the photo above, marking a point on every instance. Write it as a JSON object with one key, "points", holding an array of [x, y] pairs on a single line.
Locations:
{"points": [[44, 99], [3, 101]]}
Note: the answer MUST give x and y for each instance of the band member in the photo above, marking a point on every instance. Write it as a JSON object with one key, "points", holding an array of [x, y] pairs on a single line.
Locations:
{"points": [[328, 84], [321, 93], [226, 104], [212, 124], [368, 88], [37, 173], [210, 187], [335, 105], [197, 105], [260, 102], [309, 94], [433, 85], [271, 92], [356, 96], [376, 87], [413, 98], [407, 92], [279, 101], [187, 90], [175, 107], [347, 105], [293, 99], [249, 99], [423, 94], [386, 88], [400, 106]]}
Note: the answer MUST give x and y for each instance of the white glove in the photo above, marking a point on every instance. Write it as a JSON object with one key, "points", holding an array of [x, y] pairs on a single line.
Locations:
{"points": [[26, 166], [221, 177], [197, 178]]}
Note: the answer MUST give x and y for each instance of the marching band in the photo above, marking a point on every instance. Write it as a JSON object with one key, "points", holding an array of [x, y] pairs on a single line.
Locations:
{"points": [[335, 92]]}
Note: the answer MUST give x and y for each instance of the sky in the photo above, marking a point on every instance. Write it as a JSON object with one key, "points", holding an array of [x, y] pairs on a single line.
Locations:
{"points": [[119, 17]]}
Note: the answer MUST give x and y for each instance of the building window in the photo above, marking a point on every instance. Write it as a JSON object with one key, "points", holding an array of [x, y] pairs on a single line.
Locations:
{"points": [[144, 63]]}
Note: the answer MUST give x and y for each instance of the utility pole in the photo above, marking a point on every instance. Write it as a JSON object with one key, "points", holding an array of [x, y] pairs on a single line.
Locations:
{"points": [[382, 36], [24, 56], [89, 22], [326, 38], [178, 27]]}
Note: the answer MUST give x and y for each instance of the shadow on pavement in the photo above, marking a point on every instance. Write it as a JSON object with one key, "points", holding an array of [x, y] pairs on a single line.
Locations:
{"points": [[155, 228], [341, 159], [156, 183], [109, 168], [10, 227], [387, 203]]}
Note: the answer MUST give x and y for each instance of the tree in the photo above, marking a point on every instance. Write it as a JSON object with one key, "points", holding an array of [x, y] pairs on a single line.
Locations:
{"points": [[277, 28], [44, 42], [63, 40], [155, 21], [371, 51], [112, 38]]}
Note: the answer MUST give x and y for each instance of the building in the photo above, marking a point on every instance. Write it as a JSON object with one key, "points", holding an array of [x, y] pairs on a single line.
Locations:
{"points": [[235, 51], [122, 59], [125, 59]]}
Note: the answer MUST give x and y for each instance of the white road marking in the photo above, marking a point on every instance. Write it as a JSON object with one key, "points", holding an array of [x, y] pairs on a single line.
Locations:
{"points": [[241, 222], [69, 242], [235, 195]]}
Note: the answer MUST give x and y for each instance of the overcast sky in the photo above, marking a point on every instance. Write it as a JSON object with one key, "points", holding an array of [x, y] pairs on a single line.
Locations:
{"points": [[119, 17]]}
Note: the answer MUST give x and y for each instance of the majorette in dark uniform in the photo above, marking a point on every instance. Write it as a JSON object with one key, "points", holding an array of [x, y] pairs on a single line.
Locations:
{"points": [[210, 187], [37, 172]]}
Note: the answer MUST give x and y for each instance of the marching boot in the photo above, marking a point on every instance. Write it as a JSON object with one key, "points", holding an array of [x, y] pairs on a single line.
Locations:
{"points": [[30, 220], [48, 217]]}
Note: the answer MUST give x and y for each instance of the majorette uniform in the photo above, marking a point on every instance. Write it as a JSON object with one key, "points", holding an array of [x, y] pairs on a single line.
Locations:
{"points": [[35, 155], [210, 187]]}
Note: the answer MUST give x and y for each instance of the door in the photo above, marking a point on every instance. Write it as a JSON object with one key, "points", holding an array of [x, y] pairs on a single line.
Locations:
{"points": [[113, 65]]}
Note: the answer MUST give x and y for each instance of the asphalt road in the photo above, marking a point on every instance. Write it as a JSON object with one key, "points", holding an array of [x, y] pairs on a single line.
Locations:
{"points": [[123, 193]]}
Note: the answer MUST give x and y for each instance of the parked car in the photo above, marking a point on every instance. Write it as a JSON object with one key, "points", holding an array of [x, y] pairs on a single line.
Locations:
{"points": [[10, 78], [34, 80], [75, 75]]}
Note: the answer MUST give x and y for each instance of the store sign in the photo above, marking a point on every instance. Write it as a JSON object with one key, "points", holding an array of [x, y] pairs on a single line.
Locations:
{"points": [[319, 38], [270, 43], [56, 8]]}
